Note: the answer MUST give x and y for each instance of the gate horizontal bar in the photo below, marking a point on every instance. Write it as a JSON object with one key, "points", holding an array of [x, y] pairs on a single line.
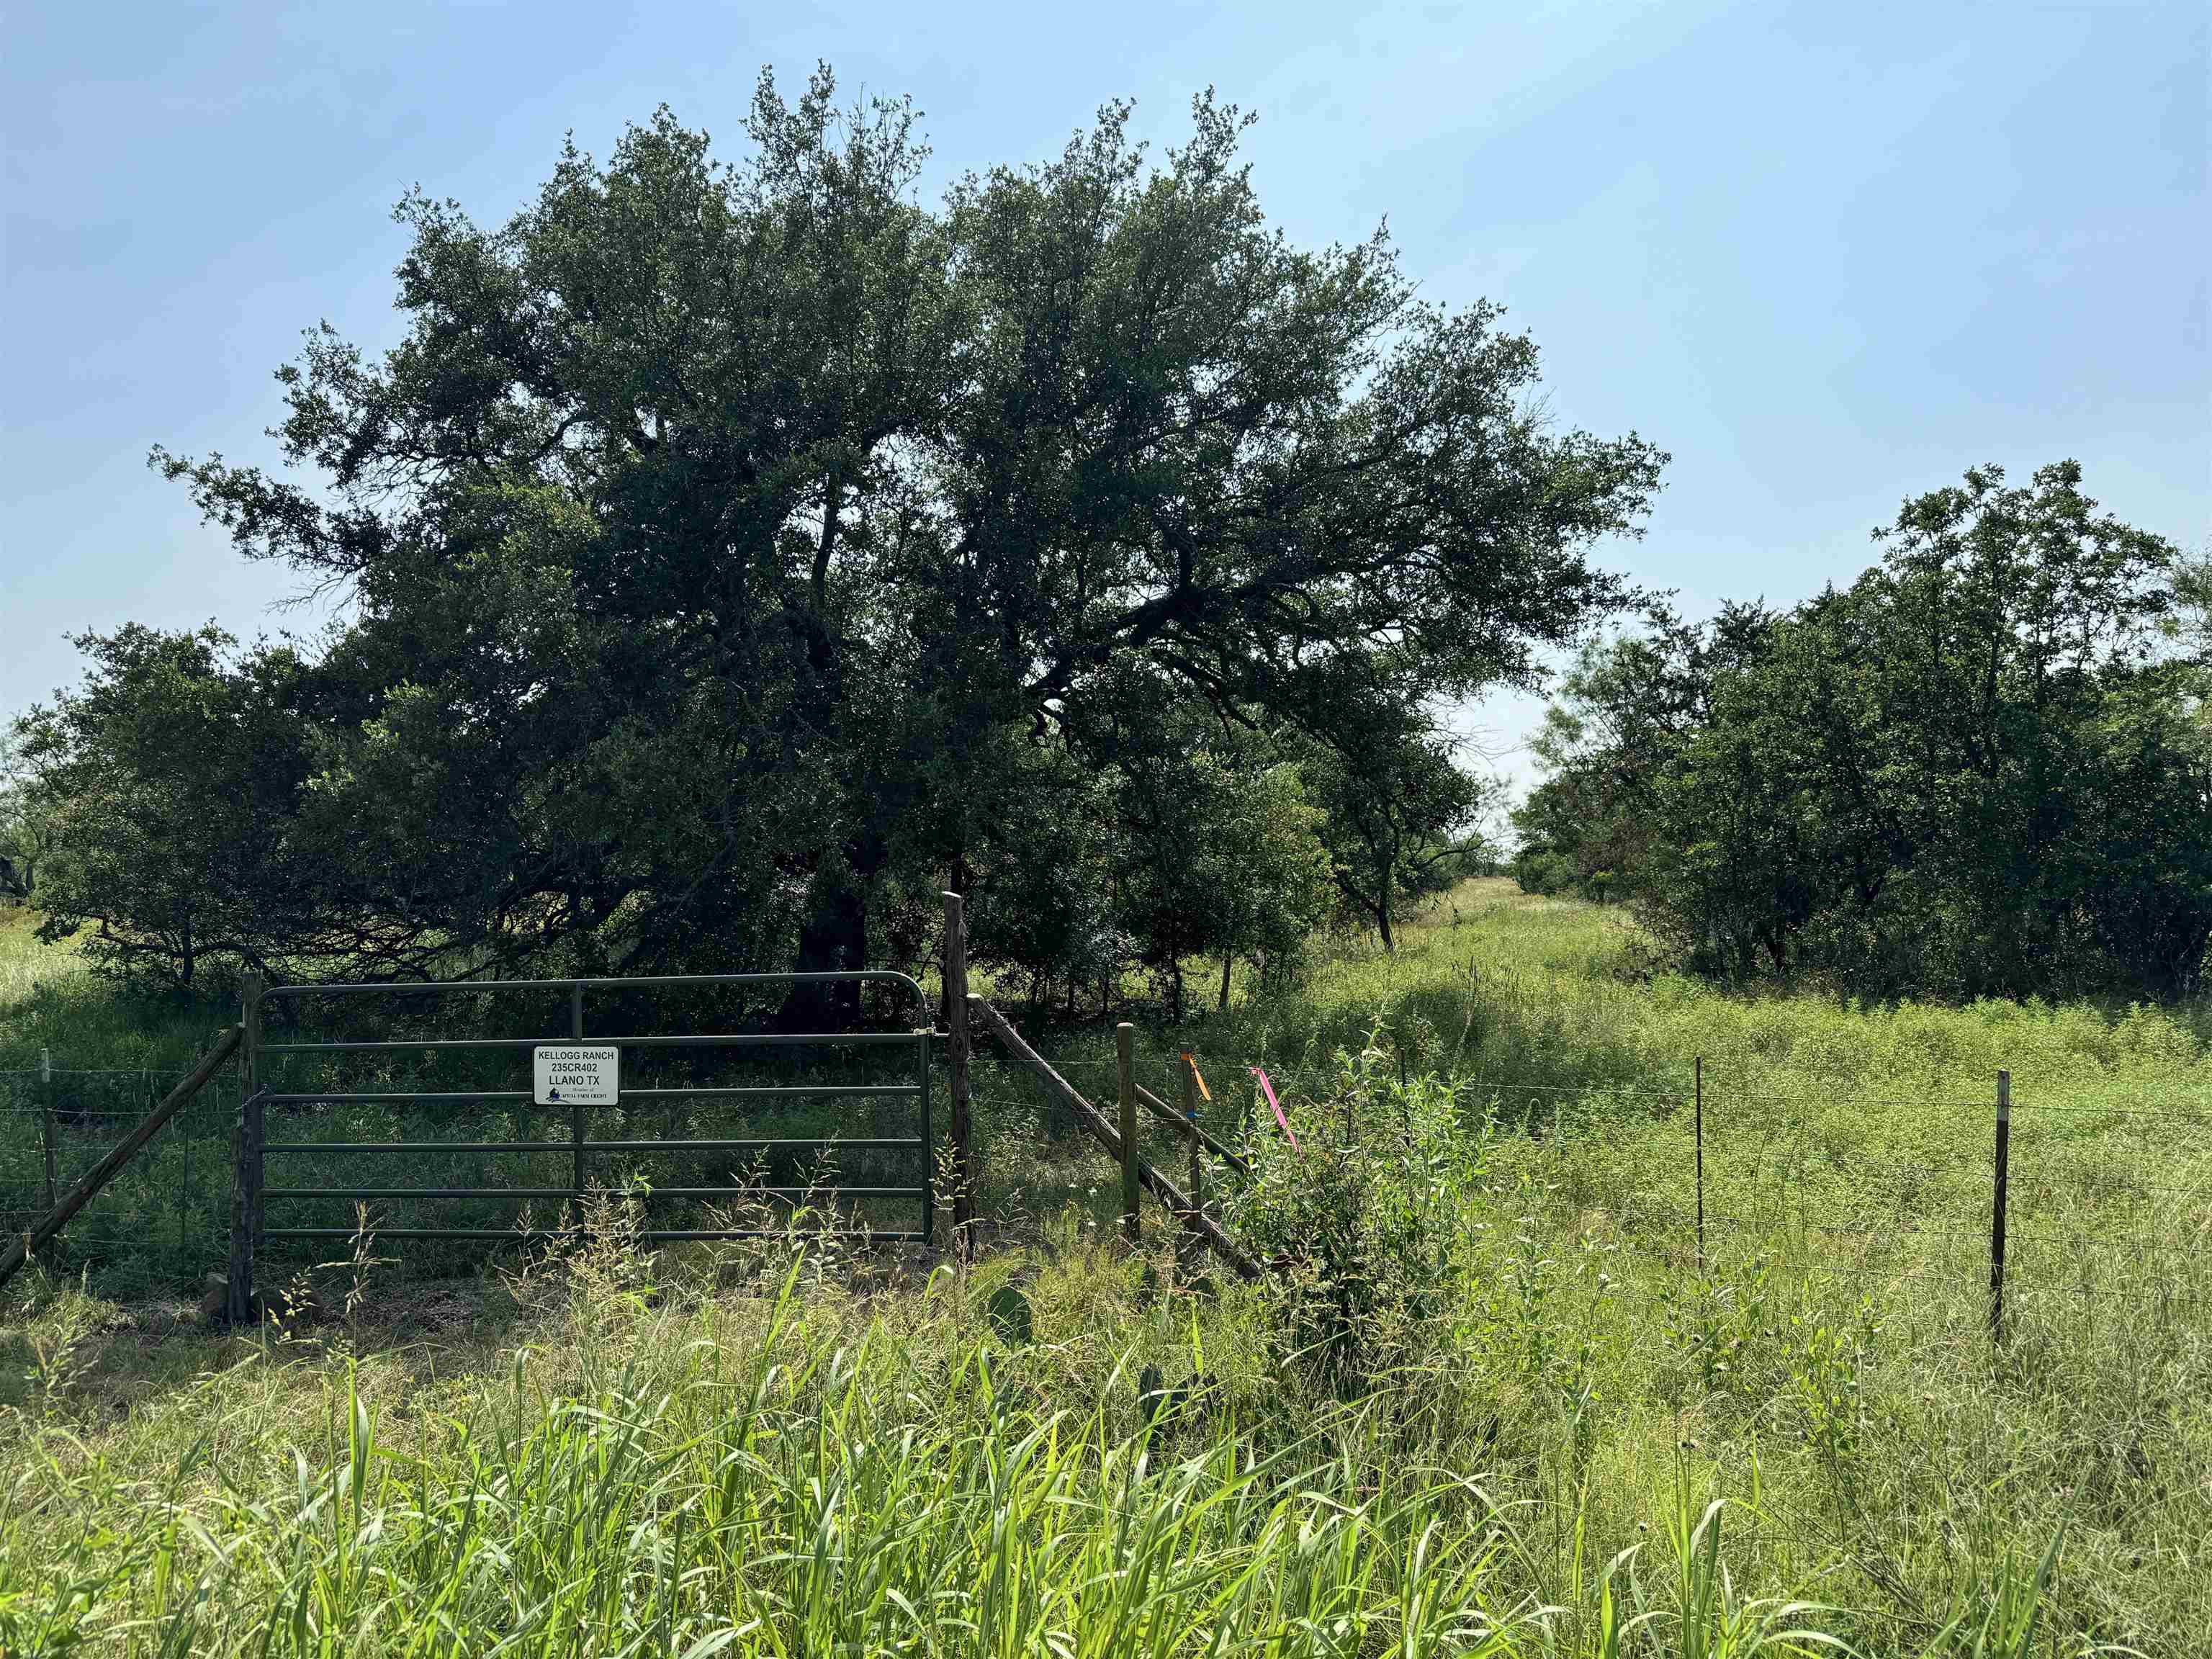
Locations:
{"points": [[570, 1191], [881, 976], [418, 1146], [780, 1092], [782, 1192], [907, 1144], [776, 1091], [674, 1234], [886, 1143], [419, 1096], [722, 1040], [389, 1046], [419, 1192], [658, 1237]]}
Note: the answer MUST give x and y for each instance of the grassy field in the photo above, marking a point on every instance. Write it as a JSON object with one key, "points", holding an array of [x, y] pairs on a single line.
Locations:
{"points": [[1520, 1412]]}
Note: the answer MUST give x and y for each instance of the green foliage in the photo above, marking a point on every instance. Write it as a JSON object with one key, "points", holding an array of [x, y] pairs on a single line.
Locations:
{"points": [[1219, 859], [739, 549], [29, 835], [793, 1472], [170, 779], [1173, 853], [1399, 813], [1041, 895], [1362, 1217], [1576, 1394], [1978, 770], [1715, 1323], [1619, 717], [1011, 1316]]}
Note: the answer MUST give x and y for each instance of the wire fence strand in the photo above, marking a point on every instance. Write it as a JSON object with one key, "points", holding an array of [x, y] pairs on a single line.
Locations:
{"points": [[163, 1225]]}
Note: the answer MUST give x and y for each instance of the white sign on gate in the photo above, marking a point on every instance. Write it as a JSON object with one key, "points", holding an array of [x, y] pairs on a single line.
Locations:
{"points": [[575, 1074]]}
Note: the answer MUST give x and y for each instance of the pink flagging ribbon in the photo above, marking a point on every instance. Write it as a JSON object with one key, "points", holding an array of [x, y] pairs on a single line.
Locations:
{"points": [[1276, 1106]]}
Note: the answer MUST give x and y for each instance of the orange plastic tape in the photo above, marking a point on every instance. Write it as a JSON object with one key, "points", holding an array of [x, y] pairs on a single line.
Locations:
{"points": [[1199, 1077]]}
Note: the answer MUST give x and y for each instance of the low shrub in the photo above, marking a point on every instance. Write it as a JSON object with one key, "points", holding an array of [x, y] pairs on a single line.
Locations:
{"points": [[1362, 1215]]}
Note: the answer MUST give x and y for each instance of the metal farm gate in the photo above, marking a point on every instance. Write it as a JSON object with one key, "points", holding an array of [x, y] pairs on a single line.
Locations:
{"points": [[250, 1227]]}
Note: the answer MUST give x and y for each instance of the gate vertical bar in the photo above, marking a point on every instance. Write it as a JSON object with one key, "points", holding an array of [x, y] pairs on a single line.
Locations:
{"points": [[957, 1055], [576, 1113], [929, 1151], [246, 1178]]}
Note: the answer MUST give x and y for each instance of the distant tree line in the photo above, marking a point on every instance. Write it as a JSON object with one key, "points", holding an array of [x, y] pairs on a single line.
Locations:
{"points": [[734, 554], [24, 827], [1983, 768]]}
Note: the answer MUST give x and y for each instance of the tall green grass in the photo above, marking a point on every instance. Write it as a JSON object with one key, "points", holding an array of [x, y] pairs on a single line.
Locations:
{"points": [[50, 1001], [793, 1472], [1535, 1468], [1878, 1119]]}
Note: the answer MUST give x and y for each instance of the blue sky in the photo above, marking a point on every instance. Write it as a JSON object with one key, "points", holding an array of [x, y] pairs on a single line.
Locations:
{"points": [[1828, 255]]}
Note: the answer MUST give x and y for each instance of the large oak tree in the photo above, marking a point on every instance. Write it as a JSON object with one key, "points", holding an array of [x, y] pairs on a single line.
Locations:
{"points": [[720, 535]]}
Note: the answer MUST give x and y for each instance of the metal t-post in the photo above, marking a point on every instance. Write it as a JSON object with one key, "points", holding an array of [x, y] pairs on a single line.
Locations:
{"points": [[957, 1058], [49, 1124], [2002, 1170], [1701, 1132]]}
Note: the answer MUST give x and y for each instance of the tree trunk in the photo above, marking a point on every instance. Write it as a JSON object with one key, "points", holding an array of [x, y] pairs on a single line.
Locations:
{"points": [[1226, 959], [833, 939], [1174, 976]]}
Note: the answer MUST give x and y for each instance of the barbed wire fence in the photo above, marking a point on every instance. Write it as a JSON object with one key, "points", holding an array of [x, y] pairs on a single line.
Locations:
{"points": [[2107, 1192], [2105, 1189], [155, 1230]]}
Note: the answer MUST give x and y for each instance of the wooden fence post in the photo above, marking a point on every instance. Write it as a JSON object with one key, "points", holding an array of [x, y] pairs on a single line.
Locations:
{"points": [[957, 1061], [1997, 1206], [246, 1177], [1101, 1128], [1190, 1116], [1124, 1035], [185, 1198]]}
